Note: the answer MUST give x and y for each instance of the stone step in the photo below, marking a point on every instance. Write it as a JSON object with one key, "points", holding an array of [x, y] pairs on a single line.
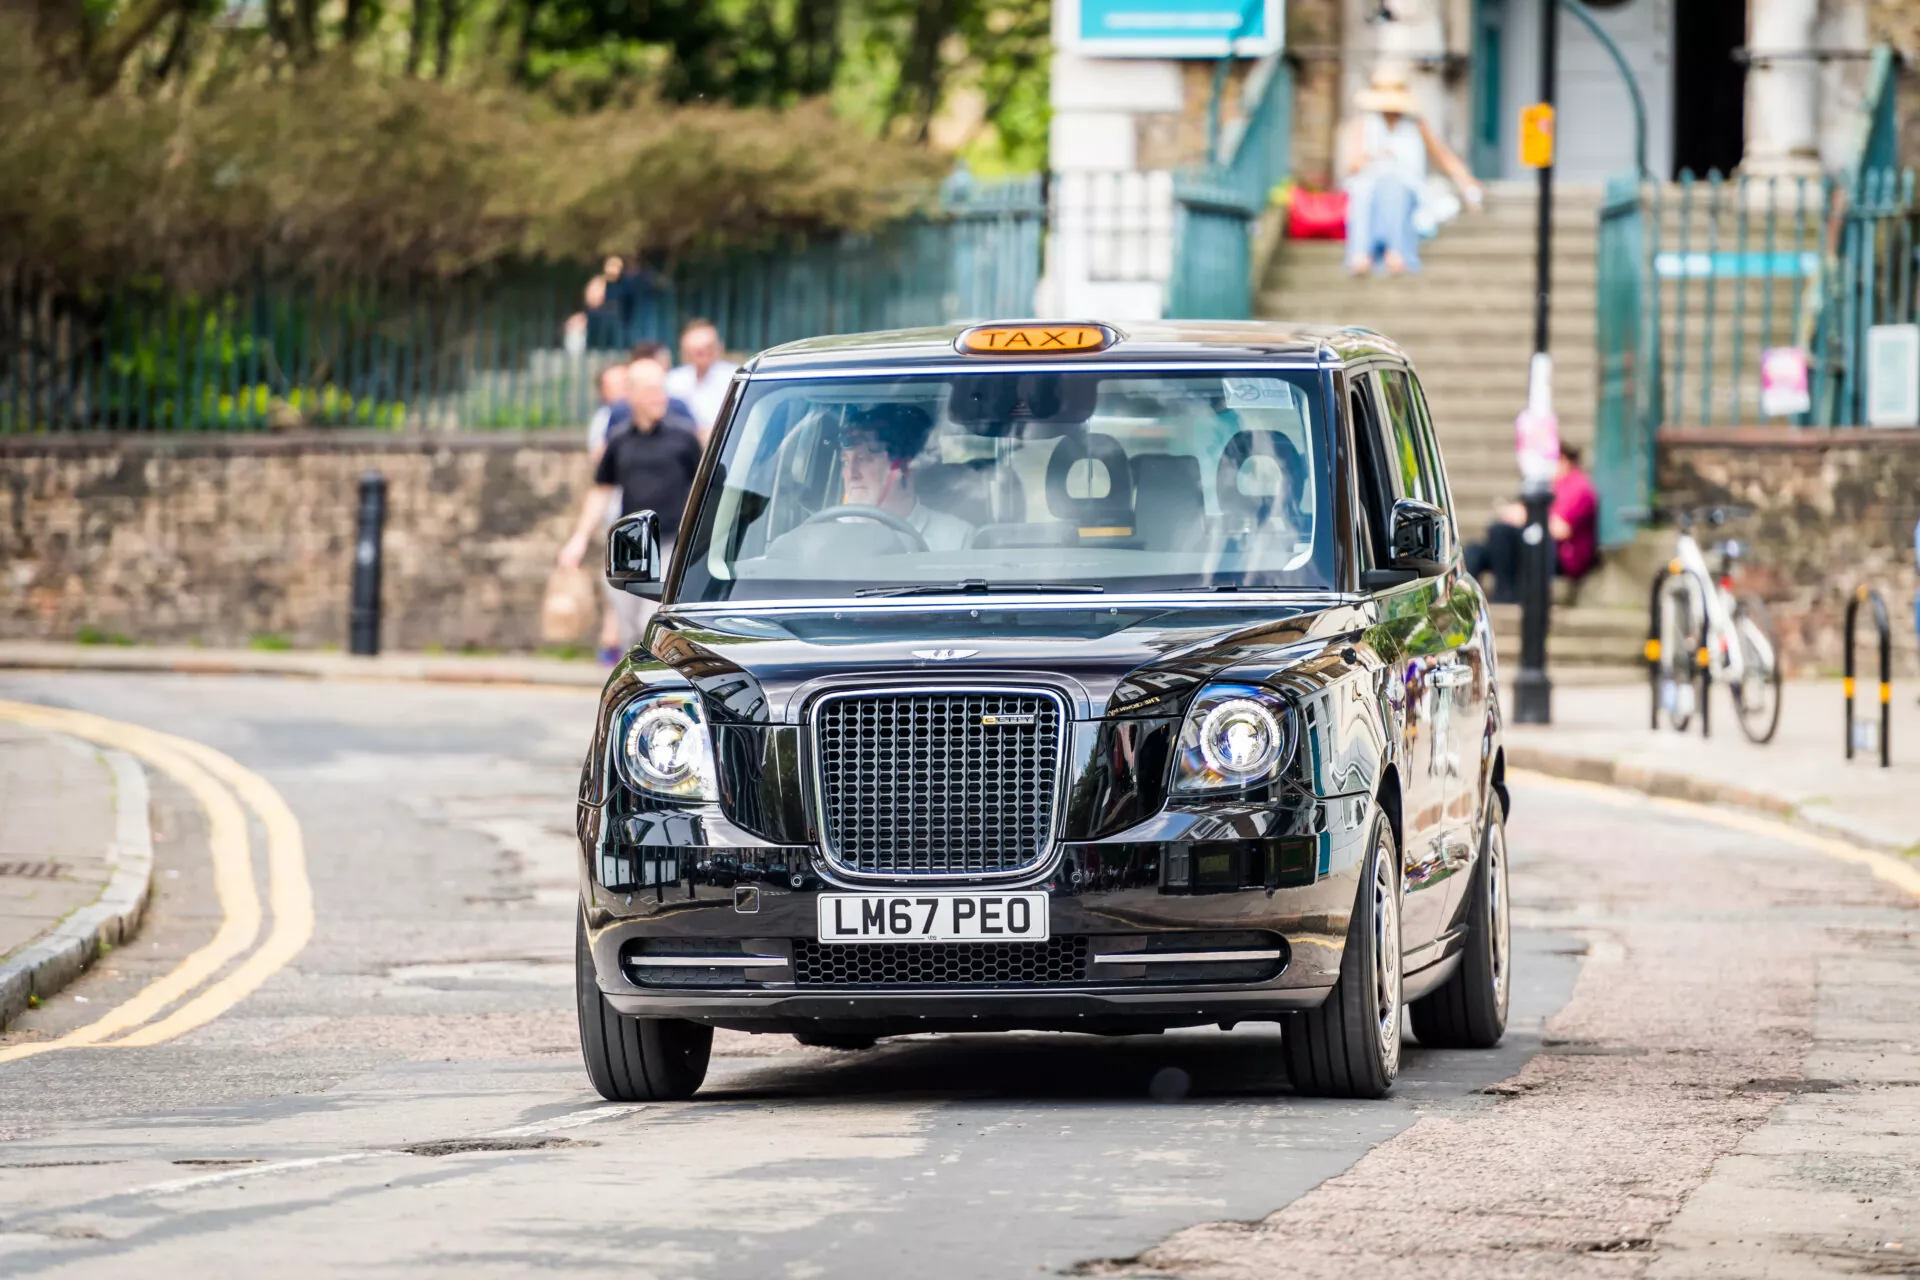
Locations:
{"points": [[1461, 274], [1578, 635], [1509, 323]]}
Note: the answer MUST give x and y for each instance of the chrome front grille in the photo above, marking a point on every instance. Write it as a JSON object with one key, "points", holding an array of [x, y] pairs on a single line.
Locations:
{"points": [[948, 782]]}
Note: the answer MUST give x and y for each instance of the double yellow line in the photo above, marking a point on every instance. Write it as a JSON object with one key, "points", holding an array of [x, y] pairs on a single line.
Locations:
{"points": [[220, 786]]}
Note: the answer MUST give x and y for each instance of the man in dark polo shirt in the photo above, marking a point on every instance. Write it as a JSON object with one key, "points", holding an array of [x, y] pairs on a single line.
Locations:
{"points": [[650, 462]]}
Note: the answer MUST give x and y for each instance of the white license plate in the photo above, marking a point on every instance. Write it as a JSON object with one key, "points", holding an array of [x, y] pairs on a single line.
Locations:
{"points": [[933, 917]]}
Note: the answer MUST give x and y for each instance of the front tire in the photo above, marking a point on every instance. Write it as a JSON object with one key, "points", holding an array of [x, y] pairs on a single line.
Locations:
{"points": [[635, 1059], [1349, 1047], [1756, 699], [1469, 1010]]}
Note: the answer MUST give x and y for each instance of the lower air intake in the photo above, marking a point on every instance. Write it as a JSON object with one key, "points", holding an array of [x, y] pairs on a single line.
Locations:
{"points": [[1061, 961]]}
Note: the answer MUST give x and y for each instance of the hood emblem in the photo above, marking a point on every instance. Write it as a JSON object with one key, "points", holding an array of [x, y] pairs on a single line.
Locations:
{"points": [[944, 655]]}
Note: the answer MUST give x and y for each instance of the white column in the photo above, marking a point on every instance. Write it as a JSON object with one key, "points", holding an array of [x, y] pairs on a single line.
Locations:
{"points": [[1783, 97]]}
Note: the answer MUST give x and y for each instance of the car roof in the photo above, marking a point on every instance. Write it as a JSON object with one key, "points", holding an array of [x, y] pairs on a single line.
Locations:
{"points": [[1184, 341]]}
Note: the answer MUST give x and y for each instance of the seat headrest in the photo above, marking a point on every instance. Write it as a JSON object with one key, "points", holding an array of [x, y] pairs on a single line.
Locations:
{"points": [[1110, 515], [1272, 483]]}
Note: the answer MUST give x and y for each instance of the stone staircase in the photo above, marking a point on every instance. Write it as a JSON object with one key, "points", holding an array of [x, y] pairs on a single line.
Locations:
{"points": [[1466, 321]]}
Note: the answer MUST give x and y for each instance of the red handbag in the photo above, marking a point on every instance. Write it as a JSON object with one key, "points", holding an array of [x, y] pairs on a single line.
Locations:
{"points": [[1317, 215]]}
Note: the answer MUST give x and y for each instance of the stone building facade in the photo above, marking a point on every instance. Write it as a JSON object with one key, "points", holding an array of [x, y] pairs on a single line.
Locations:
{"points": [[1770, 86]]}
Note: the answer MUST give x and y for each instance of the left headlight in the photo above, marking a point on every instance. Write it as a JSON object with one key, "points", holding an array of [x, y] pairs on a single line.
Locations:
{"points": [[1235, 736], [664, 747]]}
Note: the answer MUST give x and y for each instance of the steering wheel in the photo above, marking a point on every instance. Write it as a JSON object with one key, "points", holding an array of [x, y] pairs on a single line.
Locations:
{"points": [[860, 511]]}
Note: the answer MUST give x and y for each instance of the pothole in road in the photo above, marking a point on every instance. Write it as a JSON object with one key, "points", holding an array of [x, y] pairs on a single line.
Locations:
{"points": [[1625, 1244], [1767, 1084], [218, 1162], [461, 1146], [482, 975]]}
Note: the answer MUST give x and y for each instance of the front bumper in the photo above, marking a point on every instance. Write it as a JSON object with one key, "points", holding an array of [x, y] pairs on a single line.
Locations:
{"points": [[715, 890]]}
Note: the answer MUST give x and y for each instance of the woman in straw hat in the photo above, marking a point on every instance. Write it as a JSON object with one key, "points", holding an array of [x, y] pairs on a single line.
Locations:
{"points": [[1388, 150]]}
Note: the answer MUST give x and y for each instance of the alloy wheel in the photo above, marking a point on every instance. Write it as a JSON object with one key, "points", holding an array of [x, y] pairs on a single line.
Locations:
{"points": [[1386, 949]]}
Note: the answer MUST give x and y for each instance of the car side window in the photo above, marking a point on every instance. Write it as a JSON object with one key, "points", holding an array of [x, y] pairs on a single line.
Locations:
{"points": [[1411, 469], [1376, 490], [1430, 446]]}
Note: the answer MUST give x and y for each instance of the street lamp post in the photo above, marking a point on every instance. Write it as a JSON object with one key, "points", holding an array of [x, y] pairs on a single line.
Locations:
{"points": [[1538, 430]]}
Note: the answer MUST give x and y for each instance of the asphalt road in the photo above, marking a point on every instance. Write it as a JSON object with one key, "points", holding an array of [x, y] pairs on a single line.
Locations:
{"points": [[406, 1095]]}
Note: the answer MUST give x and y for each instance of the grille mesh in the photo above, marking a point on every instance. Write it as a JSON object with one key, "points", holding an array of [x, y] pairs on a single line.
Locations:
{"points": [[915, 784], [937, 964]]}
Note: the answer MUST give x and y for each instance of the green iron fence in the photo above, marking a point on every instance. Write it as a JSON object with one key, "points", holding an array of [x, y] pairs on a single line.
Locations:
{"points": [[1217, 205], [1699, 279], [488, 350]]}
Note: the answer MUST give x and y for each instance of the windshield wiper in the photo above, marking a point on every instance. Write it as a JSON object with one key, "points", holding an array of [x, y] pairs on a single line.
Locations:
{"points": [[980, 587]]}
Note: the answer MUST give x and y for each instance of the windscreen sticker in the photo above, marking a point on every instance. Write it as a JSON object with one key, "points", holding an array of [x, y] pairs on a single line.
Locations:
{"points": [[1258, 393]]}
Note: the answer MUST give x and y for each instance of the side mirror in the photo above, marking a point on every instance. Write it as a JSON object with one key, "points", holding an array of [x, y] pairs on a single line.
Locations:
{"points": [[1420, 539], [633, 555]]}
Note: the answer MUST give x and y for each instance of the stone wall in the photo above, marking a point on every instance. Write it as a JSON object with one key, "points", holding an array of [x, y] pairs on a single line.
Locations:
{"points": [[1832, 510], [1313, 41], [222, 539]]}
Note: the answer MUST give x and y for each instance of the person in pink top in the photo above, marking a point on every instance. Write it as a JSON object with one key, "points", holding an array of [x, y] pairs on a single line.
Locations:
{"points": [[1573, 520]]}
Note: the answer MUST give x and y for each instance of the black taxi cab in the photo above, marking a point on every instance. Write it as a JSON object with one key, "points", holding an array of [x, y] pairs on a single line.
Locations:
{"points": [[1052, 676]]}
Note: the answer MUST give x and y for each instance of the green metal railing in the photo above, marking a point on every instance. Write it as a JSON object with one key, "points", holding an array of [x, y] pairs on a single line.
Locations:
{"points": [[487, 350], [1216, 206], [1699, 279]]}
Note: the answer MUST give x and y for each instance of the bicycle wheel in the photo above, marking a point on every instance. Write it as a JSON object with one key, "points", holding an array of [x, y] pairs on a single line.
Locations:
{"points": [[1679, 639], [1756, 696]]}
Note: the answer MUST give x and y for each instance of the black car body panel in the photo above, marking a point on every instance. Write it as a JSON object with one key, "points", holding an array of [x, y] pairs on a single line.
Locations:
{"points": [[1393, 690]]}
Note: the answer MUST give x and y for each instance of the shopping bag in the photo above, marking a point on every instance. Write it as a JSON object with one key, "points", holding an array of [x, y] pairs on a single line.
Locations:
{"points": [[1317, 215], [569, 609]]}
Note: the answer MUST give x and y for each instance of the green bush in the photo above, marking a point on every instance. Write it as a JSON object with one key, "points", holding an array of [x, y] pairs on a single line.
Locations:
{"points": [[337, 173]]}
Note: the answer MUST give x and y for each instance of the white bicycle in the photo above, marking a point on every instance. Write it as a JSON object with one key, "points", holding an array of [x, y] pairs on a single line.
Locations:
{"points": [[1705, 634]]}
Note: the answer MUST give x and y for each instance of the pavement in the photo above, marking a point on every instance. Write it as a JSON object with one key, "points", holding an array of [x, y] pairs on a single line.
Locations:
{"points": [[1601, 733], [74, 859]]}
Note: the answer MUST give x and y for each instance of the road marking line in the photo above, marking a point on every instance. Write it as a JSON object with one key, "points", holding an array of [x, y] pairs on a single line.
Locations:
{"points": [[572, 1120], [250, 1171], [1895, 871], [290, 895], [228, 847]]}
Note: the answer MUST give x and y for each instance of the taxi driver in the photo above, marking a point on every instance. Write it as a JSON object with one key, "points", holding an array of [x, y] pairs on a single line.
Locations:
{"points": [[878, 446]]}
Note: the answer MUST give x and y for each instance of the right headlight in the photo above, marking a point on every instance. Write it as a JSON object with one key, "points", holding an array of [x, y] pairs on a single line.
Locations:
{"points": [[1235, 736], [664, 749]]}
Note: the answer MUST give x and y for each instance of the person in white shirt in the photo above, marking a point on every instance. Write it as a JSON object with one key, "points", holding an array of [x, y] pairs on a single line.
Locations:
{"points": [[703, 379]]}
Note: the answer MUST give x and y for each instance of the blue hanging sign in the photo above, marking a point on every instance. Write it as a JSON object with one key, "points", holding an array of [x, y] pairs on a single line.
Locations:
{"points": [[1172, 28]]}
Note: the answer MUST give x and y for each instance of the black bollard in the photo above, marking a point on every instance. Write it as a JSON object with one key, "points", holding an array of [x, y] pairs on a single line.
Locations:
{"points": [[1533, 688], [1883, 626], [363, 626]]}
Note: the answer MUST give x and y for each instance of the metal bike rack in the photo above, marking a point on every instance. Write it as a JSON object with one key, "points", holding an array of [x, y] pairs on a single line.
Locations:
{"points": [[1881, 622], [1653, 645]]}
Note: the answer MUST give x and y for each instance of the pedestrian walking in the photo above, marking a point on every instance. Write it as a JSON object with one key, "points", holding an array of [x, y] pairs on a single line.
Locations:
{"points": [[703, 377], [649, 464], [661, 354]]}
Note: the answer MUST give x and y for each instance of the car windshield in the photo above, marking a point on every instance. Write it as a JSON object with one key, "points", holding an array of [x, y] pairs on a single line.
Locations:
{"points": [[1094, 480]]}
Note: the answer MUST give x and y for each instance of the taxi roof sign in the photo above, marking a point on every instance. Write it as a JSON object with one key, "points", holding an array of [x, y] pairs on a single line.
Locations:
{"points": [[1035, 339]]}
